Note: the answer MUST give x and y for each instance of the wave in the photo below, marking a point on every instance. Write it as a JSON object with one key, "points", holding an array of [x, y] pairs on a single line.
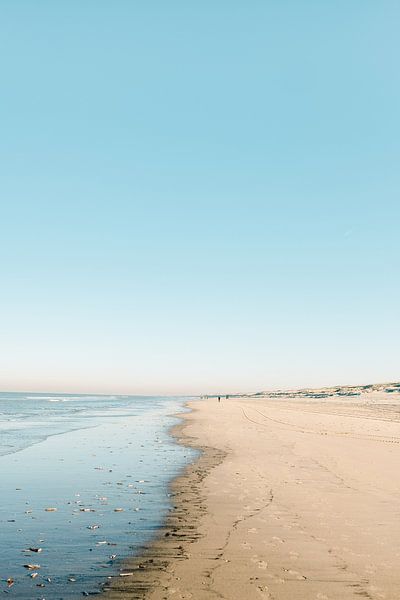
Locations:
{"points": [[70, 398]]}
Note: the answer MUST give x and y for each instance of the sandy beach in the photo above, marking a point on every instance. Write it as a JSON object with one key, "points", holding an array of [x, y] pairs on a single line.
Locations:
{"points": [[295, 497]]}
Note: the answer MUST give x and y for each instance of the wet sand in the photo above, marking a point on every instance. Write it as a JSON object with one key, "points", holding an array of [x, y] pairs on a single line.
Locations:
{"points": [[292, 499]]}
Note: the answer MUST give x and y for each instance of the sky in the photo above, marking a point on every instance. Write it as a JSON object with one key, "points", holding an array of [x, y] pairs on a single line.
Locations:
{"points": [[198, 197]]}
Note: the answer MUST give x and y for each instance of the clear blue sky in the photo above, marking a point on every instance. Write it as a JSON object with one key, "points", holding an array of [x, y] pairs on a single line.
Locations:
{"points": [[199, 196]]}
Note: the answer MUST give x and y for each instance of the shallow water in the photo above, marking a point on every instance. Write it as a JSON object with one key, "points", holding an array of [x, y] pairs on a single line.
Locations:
{"points": [[111, 456]]}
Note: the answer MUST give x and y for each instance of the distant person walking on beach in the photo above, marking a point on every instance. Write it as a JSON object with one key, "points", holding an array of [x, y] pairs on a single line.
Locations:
{"points": [[219, 398]]}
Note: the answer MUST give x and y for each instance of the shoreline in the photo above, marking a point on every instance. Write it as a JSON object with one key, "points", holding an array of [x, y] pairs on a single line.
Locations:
{"points": [[140, 575]]}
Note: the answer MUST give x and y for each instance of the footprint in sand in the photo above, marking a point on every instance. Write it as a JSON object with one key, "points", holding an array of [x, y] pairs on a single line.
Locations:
{"points": [[246, 545], [295, 574], [263, 591], [262, 564], [252, 530], [321, 596]]}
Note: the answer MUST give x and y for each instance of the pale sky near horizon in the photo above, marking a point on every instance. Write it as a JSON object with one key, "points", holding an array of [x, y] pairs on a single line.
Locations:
{"points": [[199, 197]]}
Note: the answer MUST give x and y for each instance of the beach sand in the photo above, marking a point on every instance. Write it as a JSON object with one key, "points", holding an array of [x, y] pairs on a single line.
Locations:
{"points": [[293, 498]]}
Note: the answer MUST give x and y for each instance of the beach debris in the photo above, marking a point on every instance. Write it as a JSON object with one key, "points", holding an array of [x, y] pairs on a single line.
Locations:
{"points": [[51, 509], [118, 510], [93, 527], [35, 549], [126, 574], [10, 582], [32, 567], [72, 579], [113, 556], [102, 542], [87, 510], [33, 575]]}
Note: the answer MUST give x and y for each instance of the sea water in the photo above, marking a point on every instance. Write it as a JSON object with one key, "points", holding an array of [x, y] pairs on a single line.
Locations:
{"points": [[102, 465]]}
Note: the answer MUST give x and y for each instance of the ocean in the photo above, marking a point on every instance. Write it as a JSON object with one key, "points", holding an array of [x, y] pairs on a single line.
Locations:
{"points": [[83, 485]]}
